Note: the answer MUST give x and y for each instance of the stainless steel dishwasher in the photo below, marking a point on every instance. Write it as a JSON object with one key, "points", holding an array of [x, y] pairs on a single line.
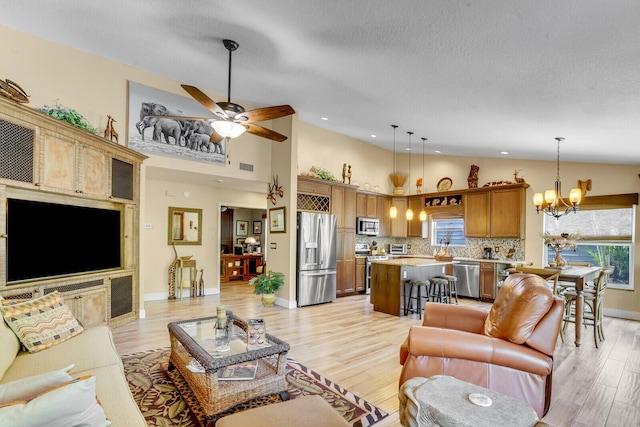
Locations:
{"points": [[468, 274]]}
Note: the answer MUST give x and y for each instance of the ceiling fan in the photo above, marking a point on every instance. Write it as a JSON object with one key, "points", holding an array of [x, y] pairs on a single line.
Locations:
{"points": [[231, 119]]}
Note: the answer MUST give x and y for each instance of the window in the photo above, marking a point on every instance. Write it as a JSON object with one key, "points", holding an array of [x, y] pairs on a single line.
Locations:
{"points": [[448, 227], [606, 239]]}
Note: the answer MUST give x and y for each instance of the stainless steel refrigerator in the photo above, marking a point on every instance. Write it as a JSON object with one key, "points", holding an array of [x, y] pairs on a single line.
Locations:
{"points": [[316, 258]]}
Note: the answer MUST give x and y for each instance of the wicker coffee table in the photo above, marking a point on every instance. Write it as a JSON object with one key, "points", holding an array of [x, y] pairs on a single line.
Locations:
{"points": [[199, 339]]}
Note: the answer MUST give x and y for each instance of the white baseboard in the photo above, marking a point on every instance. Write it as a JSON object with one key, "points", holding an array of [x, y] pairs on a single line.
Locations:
{"points": [[164, 295], [622, 314]]}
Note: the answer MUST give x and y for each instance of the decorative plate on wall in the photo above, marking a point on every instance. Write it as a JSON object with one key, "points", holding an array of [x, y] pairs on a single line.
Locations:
{"points": [[444, 184]]}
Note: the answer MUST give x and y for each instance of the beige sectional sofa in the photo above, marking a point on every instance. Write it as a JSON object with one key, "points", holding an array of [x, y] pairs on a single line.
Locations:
{"points": [[93, 353]]}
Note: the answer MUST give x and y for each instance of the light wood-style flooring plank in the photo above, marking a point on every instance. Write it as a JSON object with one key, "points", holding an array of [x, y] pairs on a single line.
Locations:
{"points": [[356, 347]]}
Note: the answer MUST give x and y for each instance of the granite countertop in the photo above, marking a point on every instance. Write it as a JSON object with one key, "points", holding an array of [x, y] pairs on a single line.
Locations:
{"points": [[413, 261], [497, 261]]}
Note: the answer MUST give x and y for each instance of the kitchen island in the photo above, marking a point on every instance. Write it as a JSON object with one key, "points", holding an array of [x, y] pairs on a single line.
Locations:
{"points": [[389, 276]]}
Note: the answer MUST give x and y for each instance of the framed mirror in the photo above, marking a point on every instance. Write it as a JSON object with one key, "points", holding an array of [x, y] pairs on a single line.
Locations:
{"points": [[185, 226]]}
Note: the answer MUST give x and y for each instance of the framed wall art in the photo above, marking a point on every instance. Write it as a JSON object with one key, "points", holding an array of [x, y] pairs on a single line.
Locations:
{"points": [[186, 139], [277, 220], [257, 227], [242, 228]]}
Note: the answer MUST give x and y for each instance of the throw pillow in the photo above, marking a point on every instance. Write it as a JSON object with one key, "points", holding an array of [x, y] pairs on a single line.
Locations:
{"points": [[41, 322], [9, 346], [26, 388], [73, 403], [522, 301]]}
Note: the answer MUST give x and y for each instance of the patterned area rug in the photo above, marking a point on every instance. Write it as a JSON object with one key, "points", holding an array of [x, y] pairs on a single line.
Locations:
{"points": [[159, 393]]}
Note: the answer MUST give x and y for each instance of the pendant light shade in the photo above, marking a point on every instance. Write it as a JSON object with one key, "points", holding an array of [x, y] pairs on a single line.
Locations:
{"points": [[423, 213], [393, 212], [409, 212]]}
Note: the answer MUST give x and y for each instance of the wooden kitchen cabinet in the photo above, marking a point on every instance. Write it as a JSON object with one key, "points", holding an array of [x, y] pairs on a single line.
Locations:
{"points": [[384, 204], [343, 205], [360, 274], [313, 186], [487, 280], [414, 226], [495, 213], [366, 205], [399, 223]]}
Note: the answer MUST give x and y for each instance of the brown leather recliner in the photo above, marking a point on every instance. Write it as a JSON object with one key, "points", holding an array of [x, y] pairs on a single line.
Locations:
{"points": [[508, 349]]}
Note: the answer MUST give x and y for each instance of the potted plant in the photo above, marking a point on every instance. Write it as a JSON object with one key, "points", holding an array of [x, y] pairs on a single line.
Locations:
{"points": [[267, 284]]}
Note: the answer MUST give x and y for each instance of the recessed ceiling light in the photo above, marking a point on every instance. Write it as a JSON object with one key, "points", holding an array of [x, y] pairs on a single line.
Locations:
{"points": [[373, 135], [504, 153], [324, 118], [407, 149], [438, 151]]}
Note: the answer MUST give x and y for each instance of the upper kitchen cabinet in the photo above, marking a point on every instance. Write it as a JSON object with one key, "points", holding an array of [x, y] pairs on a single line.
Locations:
{"points": [[384, 205], [343, 205], [366, 205], [496, 212], [399, 223], [414, 226]]}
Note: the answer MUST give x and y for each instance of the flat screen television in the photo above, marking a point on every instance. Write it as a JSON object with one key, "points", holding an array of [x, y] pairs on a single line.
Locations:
{"points": [[48, 239]]}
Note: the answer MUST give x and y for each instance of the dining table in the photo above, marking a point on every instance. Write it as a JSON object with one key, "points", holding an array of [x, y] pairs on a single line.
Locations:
{"points": [[579, 276]]}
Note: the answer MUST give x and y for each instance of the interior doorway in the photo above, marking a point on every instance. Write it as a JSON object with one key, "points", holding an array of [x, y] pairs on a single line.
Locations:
{"points": [[243, 243]]}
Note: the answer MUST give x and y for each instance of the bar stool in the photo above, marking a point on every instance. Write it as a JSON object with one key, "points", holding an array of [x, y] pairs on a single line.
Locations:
{"points": [[416, 284], [451, 289], [438, 290]]}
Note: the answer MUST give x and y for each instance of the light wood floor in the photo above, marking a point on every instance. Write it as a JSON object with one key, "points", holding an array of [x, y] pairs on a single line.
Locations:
{"points": [[349, 343]]}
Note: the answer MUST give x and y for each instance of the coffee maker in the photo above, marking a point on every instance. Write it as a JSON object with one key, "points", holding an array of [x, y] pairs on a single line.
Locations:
{"points": [[488, 253]]}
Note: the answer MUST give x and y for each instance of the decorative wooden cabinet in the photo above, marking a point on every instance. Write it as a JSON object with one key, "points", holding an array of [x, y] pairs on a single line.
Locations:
{"points": [[497, 212], [48, 161]]}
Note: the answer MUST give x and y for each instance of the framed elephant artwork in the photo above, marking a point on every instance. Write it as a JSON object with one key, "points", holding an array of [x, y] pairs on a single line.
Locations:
{"points": [[187, 139]]}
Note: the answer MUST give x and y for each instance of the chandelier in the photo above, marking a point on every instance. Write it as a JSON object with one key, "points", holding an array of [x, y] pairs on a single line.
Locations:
{"points": [[423, 213], [393, 211], [552, 203]]}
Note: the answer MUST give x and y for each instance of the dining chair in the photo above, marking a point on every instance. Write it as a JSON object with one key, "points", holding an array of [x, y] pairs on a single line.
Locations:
{"points": [[551, 276], [593, 306]]}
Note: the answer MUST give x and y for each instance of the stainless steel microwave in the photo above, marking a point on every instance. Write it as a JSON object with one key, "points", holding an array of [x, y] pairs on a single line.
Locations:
{"points": [[368, 226]]}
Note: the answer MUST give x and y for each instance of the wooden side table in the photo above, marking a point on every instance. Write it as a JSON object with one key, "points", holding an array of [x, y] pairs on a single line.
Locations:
{"points": [[186, 281]]}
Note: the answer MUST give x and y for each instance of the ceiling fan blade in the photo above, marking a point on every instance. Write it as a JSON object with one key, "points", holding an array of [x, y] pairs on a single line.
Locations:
{"points": [[266, 113], [203, 99], [215, 137], [264, 132], [183, 118]]}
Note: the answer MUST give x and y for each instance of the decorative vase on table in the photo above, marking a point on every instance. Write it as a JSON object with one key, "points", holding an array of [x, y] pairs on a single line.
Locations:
{"points": [[558, 243]]}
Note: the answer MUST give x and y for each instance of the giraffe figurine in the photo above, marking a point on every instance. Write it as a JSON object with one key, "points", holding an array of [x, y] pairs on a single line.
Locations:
{"points": [[173, 267], [110, 131]]}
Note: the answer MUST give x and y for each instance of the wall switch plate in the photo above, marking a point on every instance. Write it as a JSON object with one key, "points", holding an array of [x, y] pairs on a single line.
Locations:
{"points": [[148, 226], [273, 246], [404, 274]]}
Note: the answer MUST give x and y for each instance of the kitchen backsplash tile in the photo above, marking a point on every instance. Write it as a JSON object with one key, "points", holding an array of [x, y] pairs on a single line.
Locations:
{"points": [[473, 249]]}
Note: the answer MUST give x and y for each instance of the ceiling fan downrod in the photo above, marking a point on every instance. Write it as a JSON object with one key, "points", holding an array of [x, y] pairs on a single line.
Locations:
{"points": [[231, 47]]}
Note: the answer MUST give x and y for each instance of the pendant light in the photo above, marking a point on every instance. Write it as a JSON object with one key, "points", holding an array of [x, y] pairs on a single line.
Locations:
{"points": [[393, 212], [409, 210], [423, 214]]}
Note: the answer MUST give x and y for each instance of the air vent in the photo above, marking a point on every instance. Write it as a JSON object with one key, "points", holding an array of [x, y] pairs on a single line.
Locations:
{"points": [[246, 167]]}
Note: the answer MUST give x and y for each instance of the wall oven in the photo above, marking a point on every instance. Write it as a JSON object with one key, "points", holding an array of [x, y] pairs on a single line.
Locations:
{"points": [[367, 226]]}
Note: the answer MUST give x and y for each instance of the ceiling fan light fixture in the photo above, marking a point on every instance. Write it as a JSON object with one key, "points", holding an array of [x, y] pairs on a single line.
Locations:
{"points": [[228, 129]]}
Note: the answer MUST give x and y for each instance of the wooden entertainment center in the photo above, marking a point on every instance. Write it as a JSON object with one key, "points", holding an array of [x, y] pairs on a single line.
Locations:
{"points": [[239, 267], [43, 159]]}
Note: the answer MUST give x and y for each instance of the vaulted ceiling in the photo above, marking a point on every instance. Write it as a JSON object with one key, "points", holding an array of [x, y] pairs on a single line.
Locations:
{"points": [[475, 78]]}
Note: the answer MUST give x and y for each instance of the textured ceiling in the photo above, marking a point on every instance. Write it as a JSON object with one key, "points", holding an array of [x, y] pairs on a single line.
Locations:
{"points": [[475, 78]]}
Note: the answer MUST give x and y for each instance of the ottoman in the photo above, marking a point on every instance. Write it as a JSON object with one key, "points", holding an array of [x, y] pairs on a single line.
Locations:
{"points": [[309, 411], [444, 401]]}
